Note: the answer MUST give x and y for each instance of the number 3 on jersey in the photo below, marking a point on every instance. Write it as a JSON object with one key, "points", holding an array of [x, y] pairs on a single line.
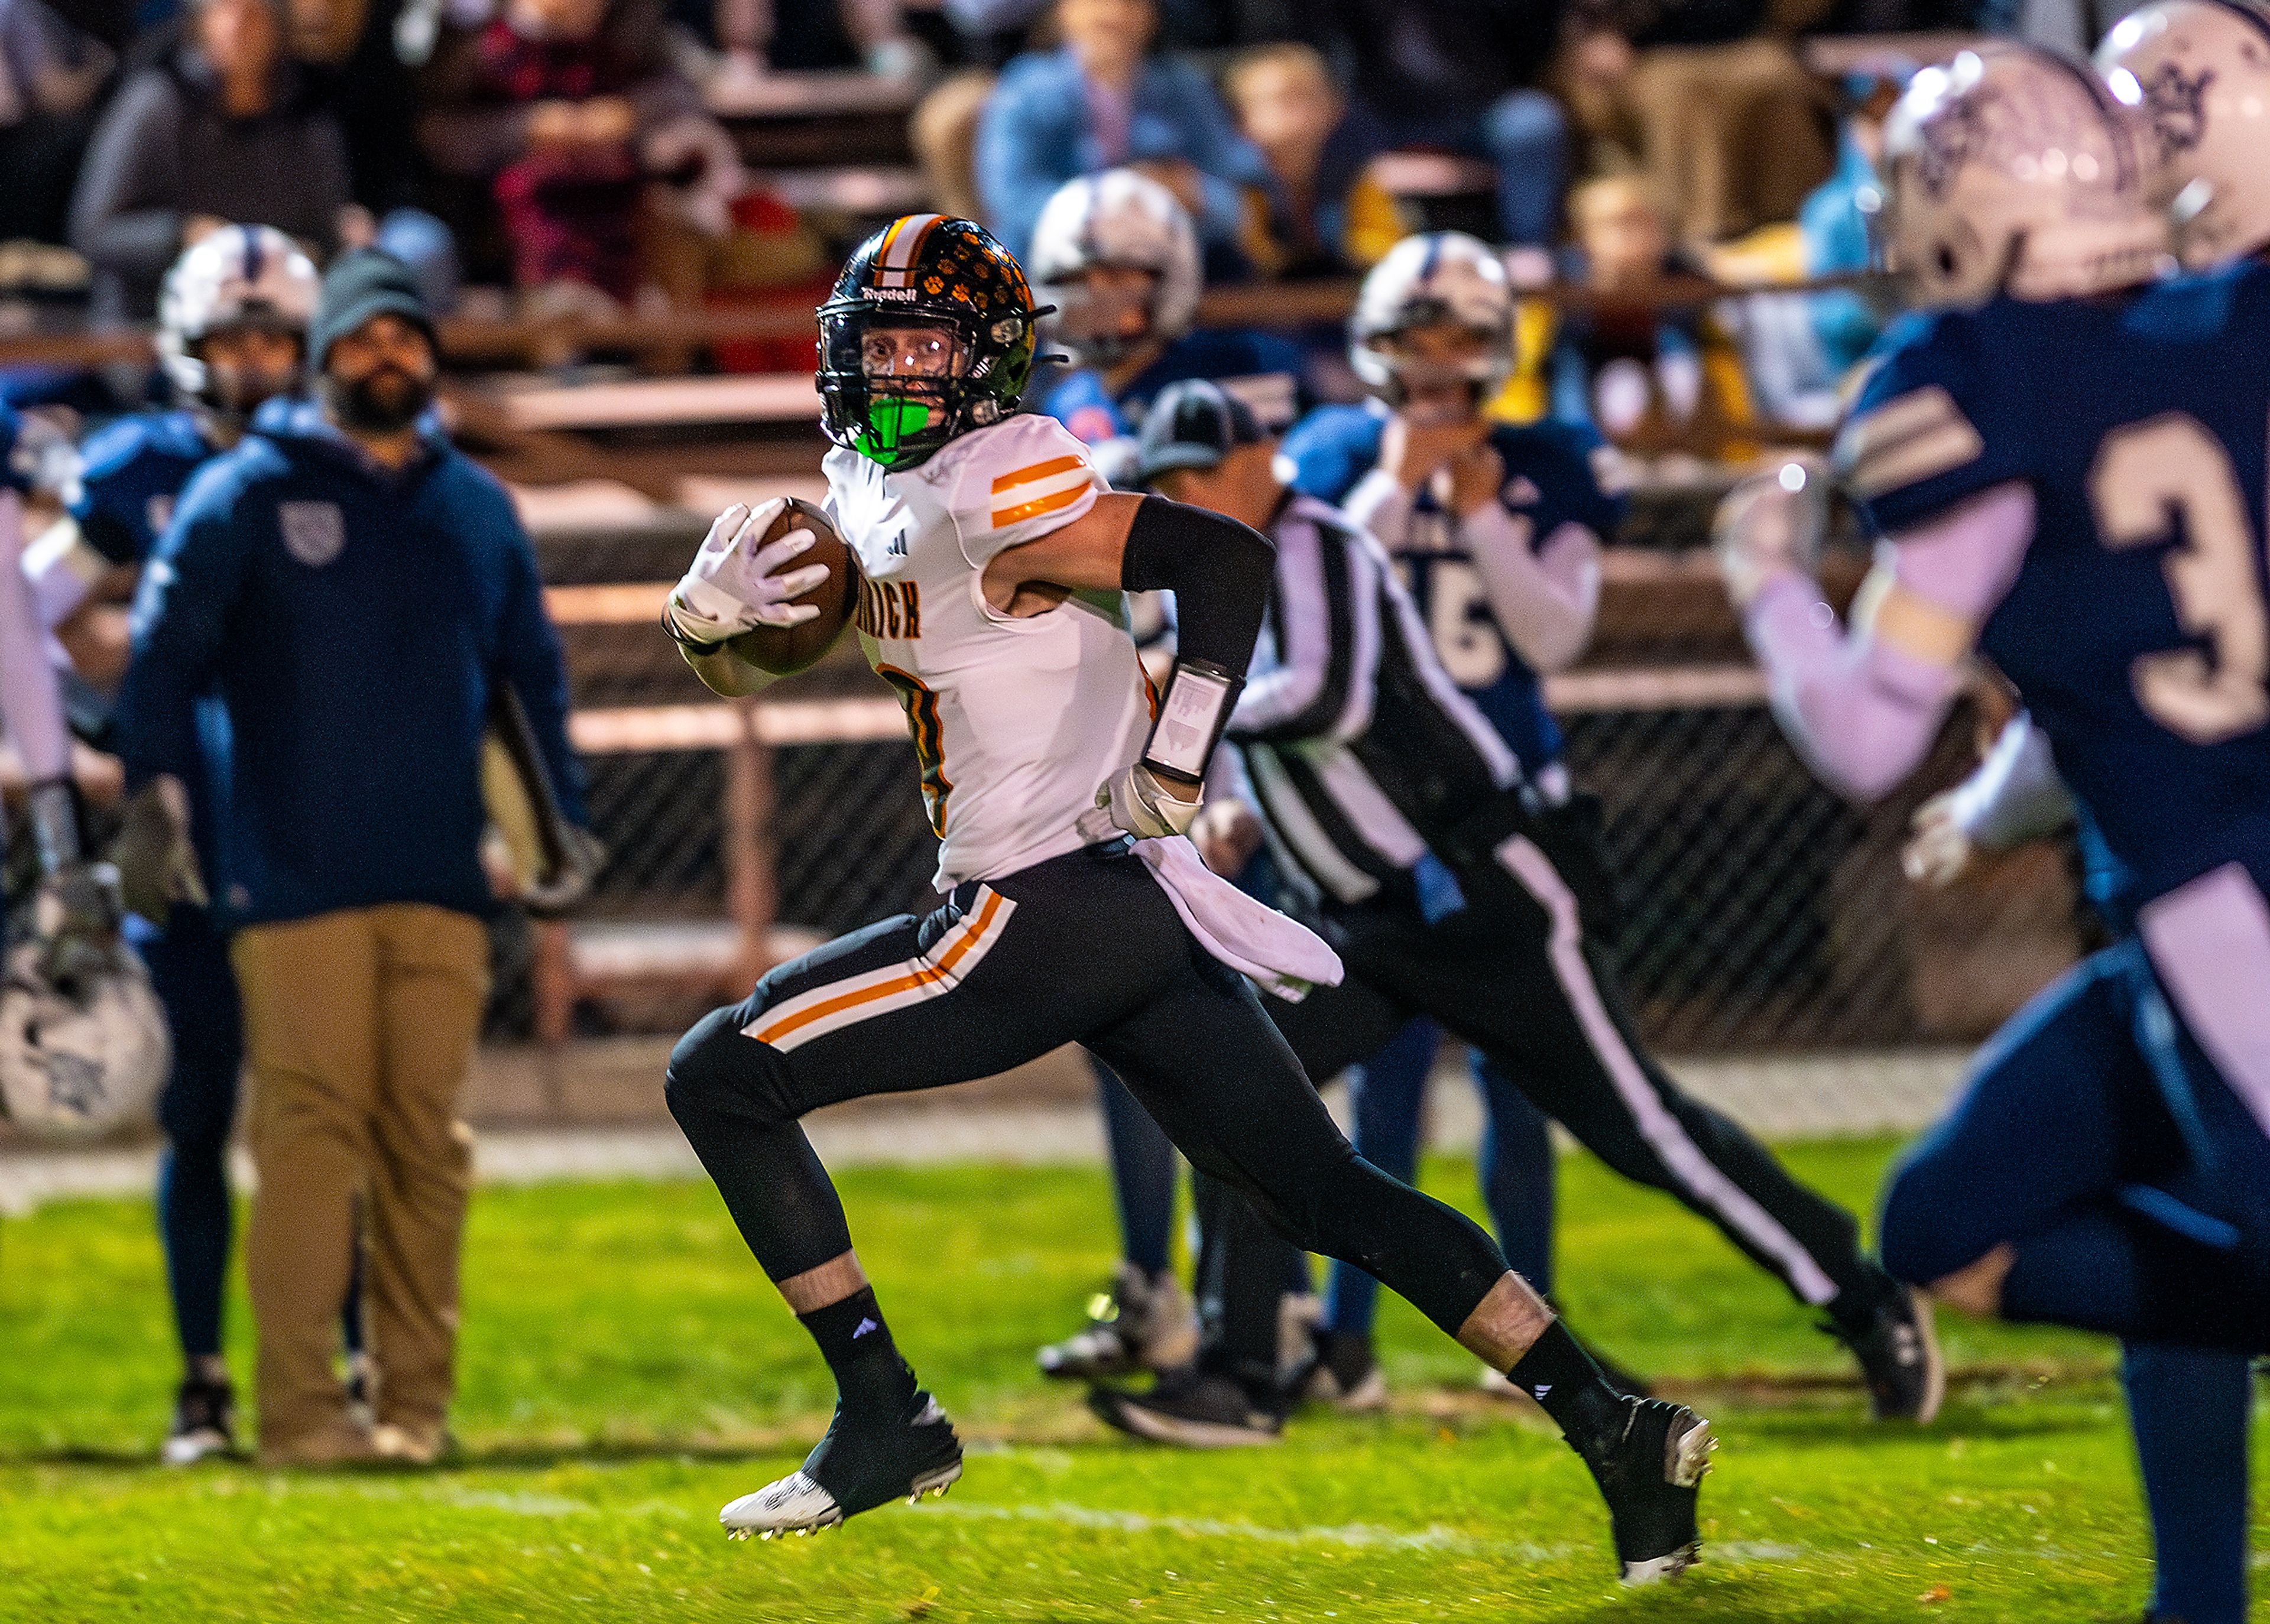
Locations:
{"points": [[2166, 476], [921, 703]]}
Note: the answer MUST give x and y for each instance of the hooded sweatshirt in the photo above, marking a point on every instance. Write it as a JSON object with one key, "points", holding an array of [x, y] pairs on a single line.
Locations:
{"points": [[352, 619]]}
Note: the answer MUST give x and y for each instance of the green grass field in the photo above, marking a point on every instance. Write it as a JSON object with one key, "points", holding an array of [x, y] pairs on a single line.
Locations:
{"points": [[626, 1369]]}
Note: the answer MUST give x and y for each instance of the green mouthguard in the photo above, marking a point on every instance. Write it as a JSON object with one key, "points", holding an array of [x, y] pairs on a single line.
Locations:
{"points": [[890, 421]]}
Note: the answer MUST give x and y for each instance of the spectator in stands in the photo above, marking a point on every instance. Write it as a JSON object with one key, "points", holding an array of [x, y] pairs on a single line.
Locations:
{"points": [[758, 36], [1651, 378], [573, 115], [1106, 101], [1833, 224], [220, 130], [1725, 117], [1463, 74], [50, 74], [1322, 212], [345, 564]]}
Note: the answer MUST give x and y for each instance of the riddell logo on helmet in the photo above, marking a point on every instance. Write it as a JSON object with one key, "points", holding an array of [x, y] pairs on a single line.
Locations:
{"points": [[907, 293]]}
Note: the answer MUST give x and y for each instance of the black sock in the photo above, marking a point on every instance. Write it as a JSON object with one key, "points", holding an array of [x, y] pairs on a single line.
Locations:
{"points": [[857, 1344], [1560, 1375]]}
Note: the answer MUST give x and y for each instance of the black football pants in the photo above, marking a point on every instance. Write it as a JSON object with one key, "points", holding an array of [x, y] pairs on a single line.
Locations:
{"points": [[1084, 948], [1518, 975]]}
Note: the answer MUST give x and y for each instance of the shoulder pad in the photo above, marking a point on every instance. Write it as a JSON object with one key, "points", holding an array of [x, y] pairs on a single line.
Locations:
{"points": [[1015, 482], [1331, 448]]}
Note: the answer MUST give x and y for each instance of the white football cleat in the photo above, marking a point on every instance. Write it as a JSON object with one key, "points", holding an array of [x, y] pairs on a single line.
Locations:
{"points": [[870, 1464]]}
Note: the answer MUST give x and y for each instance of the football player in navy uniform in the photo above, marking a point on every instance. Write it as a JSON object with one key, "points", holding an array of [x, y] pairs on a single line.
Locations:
{"points": [[1115, 253], [232, 320], [2066, 462], [992, 562]]}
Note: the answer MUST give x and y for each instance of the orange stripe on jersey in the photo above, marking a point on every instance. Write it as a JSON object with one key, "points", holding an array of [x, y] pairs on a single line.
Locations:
{"points": [[1039, 505], [1038, 471], [772, 1031]]}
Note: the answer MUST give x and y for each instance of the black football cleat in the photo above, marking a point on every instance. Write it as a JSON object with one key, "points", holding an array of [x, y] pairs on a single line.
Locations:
{"points": [[1652, 1478], [859, 1465], [1190, 1410], [1142, 1323], [205, 1423], [1900, 1359]]}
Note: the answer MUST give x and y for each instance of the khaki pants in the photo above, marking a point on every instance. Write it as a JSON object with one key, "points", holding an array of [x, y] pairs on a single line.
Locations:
{"points": [[360, 1026], [1733, 134]]}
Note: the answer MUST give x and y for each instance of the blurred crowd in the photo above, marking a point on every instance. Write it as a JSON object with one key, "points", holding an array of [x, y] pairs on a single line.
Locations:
{"points": [[561, 158]]}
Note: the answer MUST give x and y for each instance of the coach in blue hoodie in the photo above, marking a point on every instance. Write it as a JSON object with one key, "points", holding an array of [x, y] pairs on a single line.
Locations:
{"points": [[352, 589]]}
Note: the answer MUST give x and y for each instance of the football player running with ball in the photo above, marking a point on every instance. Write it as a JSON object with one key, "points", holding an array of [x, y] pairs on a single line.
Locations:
{"points": [[993, 565]]}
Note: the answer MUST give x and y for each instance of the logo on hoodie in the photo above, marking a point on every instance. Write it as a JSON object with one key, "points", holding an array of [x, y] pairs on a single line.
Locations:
{"points": [[314, 533]]}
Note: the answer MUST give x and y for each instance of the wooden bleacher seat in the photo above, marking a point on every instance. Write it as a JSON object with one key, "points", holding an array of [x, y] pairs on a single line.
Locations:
{"points": [[864, 190], [746, 398], [1833, 56]]}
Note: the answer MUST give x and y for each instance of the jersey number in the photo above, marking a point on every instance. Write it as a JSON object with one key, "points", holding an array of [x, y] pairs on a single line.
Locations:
{"points": [[1465, 634], [921, 703], [2169, 475]]}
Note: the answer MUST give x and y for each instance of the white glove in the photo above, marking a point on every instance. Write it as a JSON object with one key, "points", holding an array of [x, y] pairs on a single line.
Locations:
{"points": [[1140, 803], [1938, 850], [1770, 525], [732, 587]]}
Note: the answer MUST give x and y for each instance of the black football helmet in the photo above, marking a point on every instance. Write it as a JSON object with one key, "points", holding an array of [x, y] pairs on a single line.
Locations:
{"points": [[928, 334]]}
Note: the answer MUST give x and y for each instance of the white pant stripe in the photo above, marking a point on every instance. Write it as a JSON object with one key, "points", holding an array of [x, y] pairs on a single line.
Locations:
{"points": [[1656, 1125], [836, 1005]]}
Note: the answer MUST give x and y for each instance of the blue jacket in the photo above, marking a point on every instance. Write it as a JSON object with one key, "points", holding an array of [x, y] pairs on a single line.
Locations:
{"points": [[352, 618], [1034, 136]]}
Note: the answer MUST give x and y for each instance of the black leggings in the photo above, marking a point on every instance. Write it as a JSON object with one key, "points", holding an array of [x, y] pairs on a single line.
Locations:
{"points": [[1083, 948]]}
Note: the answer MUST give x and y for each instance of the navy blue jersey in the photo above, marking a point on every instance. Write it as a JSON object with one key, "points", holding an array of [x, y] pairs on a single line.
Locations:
{"points": [[1551, 480], [2136, 627], [1266, 372], [130, 475]]}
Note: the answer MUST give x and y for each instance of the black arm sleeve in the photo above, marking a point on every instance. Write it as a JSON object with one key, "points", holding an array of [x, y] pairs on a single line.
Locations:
{"points": [[1218, 570]]}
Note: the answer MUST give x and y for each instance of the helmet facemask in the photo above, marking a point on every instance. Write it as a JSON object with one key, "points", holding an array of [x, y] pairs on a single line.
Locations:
{"points": [[234, 382], [896, 386], [1434, 357], [1105, 313]]}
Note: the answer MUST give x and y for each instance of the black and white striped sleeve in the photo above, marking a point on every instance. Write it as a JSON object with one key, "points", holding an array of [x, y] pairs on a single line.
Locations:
{"points": [[1324, 624]]}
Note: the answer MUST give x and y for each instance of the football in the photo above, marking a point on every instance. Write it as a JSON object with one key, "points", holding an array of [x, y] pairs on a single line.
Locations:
{"points": [[784, 650]]}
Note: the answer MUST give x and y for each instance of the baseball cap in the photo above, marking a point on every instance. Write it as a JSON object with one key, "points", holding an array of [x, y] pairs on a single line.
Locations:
{"points": [[1193, 424]]}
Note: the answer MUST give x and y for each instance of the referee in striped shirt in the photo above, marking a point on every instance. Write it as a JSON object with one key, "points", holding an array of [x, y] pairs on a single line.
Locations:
{"points": [[1401, 823]]}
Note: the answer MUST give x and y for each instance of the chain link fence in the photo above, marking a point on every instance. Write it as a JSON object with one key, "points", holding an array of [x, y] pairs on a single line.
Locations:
{"points": [[1762, 913]]}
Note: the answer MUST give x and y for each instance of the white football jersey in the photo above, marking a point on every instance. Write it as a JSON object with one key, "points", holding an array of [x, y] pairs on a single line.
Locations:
{"points": [[1017, 722]]}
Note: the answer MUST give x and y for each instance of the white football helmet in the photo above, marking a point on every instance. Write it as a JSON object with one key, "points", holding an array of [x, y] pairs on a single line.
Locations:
{"points": [[2199, 72], [2013, 171], [1121, 221], [81, 1060], [1436, 277], [240, 276]]}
